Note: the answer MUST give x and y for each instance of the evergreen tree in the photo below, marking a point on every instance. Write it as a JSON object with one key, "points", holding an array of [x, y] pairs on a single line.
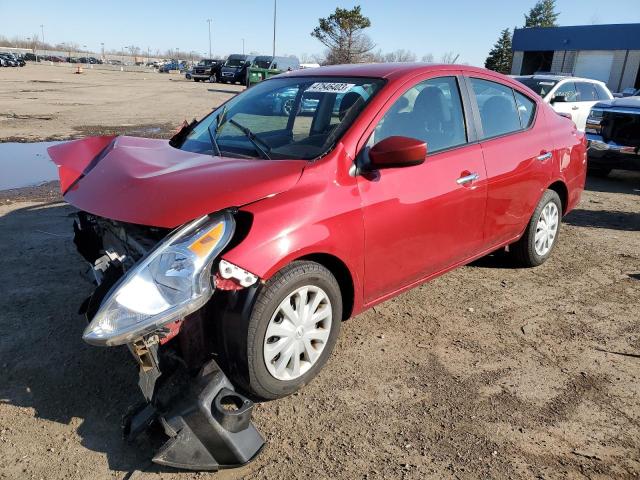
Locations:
{"points": [[500, 56], [342, 33], [543, 14]]}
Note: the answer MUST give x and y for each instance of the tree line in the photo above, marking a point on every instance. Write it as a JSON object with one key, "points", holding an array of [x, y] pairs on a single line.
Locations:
{"points": [[343, 33]]}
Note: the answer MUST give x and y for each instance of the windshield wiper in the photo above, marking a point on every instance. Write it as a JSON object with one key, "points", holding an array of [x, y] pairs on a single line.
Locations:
{"points": [[253, 138], [214, 142]]}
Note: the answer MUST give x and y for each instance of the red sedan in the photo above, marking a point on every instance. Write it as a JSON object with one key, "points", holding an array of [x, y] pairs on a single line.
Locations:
{"points": [[306, 199]]}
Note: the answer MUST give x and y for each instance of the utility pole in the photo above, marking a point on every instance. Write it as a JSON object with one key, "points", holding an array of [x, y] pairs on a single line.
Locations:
{"points": [[42, 30], [275, 8], [209, 22], [102, 48]]}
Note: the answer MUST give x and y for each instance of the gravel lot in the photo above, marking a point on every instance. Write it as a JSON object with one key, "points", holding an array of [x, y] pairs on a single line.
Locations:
{"points": [[51, 102], [486, 372]]}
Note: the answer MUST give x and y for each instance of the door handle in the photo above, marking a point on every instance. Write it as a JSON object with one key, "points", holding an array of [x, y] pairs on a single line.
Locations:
{"points": [[575, 107], [467, 178], [544, 156]]}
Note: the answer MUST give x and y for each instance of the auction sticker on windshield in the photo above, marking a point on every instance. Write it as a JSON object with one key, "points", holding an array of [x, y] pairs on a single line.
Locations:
{"points": [[330, 87]]}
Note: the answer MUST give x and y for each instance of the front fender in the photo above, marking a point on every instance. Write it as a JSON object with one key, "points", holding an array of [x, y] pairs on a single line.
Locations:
{"points": [[317, 216]]}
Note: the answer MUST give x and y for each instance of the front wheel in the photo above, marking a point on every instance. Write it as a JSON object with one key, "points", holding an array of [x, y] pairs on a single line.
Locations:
{"points": [[540, 237], [292, 329]]}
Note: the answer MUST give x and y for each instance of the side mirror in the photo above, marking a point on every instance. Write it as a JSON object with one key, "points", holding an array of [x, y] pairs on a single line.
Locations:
{"points": [[395, 152], [558, 99]]}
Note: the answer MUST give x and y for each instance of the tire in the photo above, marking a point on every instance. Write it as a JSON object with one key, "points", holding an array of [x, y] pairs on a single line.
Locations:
{"points": [[600, 172], [261, 380], [213, 78], [525, 251]]}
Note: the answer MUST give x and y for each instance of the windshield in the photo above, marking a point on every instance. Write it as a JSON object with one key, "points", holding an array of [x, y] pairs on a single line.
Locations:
{"points": [[206, 62], [540, 86], [234, 62], [262, 62], [296, 118]]}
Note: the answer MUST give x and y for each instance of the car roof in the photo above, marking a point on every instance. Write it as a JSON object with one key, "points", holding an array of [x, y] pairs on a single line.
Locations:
{"points": [[558, 77], [381, 70]]}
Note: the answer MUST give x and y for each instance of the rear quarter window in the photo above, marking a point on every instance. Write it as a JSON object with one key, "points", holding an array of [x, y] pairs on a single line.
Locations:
{"points": [[526, 109]]}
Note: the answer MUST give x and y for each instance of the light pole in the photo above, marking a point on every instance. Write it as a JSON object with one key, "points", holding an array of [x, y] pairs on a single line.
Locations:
{"points": [[275, 8], [102, 48], [209, 22], [42, 30]]}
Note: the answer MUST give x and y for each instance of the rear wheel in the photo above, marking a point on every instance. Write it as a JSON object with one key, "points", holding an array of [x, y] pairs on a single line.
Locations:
{"points": [[540, 237], [292, 330]]}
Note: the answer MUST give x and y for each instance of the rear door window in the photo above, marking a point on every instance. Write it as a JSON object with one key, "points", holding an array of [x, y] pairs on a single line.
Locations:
{"points": [[498, 111], [586, 92], [601, 92]]}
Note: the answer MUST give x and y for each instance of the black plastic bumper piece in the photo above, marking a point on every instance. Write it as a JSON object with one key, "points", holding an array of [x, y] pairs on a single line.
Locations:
{"points": [[210, 427]]}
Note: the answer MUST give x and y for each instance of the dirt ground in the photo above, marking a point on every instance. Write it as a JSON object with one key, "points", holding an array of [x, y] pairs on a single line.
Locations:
{"points": [[51, 102], [486, 372]]}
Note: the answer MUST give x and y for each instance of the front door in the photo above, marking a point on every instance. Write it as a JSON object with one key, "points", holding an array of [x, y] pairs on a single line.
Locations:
{"points": [[420, 220]]}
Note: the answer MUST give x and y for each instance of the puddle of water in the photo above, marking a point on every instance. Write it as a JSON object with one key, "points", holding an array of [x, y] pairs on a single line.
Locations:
{"points": [[26, 164]]}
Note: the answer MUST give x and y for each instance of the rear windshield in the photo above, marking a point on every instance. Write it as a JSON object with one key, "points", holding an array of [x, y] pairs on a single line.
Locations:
{"points": [[289, 118], [540, 86]]}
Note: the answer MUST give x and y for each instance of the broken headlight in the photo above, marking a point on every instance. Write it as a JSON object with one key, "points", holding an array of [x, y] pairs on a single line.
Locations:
{"points": [[172, 281]]}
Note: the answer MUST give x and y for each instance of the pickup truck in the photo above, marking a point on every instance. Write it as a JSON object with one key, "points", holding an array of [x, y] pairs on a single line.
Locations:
{"points": [[207, 70], [613, 132]]}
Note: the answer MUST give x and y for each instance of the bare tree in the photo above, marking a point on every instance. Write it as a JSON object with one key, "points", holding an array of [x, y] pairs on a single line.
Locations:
{"points": [[428, 58], [449, 57], [400, 55]]}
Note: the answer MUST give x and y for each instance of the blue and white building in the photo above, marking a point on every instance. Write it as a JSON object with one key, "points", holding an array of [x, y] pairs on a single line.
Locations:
{"points": [[610, 53]]}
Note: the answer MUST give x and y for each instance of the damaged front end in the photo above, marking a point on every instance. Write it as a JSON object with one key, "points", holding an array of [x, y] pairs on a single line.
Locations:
{"points": [[154, 290]]}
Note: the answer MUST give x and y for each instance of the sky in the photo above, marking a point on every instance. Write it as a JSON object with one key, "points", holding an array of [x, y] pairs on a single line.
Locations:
{"points": [[467, 27]]}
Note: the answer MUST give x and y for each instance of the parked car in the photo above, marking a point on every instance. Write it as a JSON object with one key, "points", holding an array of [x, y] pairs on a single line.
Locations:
{"points": [[573, 96], [266, 66], [167, 67], [31, 57], [9, 60], [613, 131], [249, 237], [207, 69], [235, 67], [19, 58], [628, 92]]}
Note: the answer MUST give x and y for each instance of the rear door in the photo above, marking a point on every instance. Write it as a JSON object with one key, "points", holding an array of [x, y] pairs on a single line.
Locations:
{"points": [[570, 105], [587, 98], [420, 220], [518, 156]]}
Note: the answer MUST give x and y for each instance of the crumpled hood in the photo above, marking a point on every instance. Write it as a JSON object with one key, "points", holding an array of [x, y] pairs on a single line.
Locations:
{"points": [[148, 182]]}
